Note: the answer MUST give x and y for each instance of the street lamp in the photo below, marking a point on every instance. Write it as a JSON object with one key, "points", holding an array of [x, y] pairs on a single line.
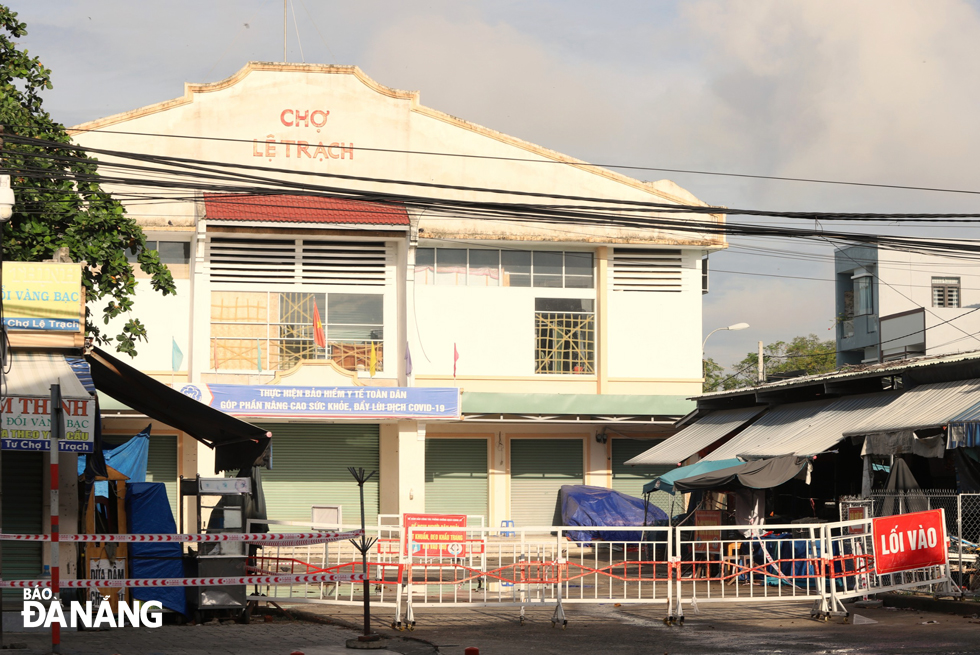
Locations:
{"points": [[737, 326]]}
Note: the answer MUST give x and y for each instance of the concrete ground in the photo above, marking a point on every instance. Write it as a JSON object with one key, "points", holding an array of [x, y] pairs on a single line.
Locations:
{"points": [[785, 629]]}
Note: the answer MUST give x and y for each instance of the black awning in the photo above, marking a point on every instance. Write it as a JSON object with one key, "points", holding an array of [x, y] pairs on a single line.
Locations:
{"points": [[758, 474], [237, 444]]}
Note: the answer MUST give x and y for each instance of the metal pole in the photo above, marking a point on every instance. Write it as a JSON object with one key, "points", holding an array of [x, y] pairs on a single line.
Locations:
{"points": [[762, 366], [364, 568], [284, 31], [959, 532], [56, 426]]}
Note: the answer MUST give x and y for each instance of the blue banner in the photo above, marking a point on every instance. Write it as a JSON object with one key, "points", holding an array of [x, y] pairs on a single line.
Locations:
{"points": [[384, 403]]}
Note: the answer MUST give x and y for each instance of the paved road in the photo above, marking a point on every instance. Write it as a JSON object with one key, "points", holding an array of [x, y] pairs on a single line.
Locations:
{"points": [[592, 629]]}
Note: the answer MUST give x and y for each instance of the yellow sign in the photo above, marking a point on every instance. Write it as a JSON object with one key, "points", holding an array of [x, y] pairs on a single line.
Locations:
{"points": [[43, 296]]}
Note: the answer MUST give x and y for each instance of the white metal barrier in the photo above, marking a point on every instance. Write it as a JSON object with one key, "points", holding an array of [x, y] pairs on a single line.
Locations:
{"points": [[552, 566]]}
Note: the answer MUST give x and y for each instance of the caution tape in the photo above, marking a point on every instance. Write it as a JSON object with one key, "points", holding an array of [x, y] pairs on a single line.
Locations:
{"points": [[187, 582], [272, 539]]}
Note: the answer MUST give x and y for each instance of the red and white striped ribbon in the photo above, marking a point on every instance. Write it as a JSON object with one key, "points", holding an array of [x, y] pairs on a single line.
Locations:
{"points": [[271, 539], [188, 582]]}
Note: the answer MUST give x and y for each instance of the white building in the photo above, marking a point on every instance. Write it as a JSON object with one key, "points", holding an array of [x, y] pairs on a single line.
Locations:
{"points": [[893, 304], [576, 346]]}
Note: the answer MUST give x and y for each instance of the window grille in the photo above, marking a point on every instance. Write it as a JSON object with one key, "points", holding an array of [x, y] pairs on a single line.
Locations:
{"points": [[945, 292], [564, 336]]}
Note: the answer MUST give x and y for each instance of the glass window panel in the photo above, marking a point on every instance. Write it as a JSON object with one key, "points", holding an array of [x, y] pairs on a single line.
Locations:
{"points": [[355, 309], [563, 304], [174, 252], [862, 296], [578, 282], [484, 268], [578, 263], [517, 268], [547, 269], [952, 296], [451, 266], [425, 266], [131, 255]]}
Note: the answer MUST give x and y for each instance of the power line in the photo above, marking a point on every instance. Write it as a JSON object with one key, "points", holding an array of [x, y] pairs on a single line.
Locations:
{"points": [[573, 162]]}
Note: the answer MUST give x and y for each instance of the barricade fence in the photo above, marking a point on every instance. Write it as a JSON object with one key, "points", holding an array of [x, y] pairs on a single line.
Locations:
{"points": [[552, 566]]}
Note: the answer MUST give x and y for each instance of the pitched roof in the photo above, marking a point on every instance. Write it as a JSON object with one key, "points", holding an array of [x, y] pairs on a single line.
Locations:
{"points": [[300, 209]]}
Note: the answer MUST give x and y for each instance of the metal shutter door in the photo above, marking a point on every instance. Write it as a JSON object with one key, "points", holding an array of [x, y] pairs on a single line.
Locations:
{"points": [[309, 467], [161, 462], [456, 477], [22, 483], [630, 479], [538, 469]]}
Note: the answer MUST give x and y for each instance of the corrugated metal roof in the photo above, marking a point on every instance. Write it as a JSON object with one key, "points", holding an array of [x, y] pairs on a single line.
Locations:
{"points": [[820, 431], [849, 373], [924, 406], [971, 415], [300, 209], [697, 436], [32, 374], [770, 426]]}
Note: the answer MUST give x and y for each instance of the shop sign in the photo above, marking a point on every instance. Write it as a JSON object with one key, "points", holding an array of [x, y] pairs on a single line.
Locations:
{"points": [[42, 296], [384, 403], [436, 529], [909, 541], [25, 424]]}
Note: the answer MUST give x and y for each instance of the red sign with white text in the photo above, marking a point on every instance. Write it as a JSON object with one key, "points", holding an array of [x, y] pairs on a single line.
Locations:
{"points": [[435, 529], [909, 541]]}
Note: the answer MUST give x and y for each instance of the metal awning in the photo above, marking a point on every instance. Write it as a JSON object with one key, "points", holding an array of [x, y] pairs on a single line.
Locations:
{"points": [[32, 374], [697, 436], [798, 430], [236, 444], [924, 406], [769, 427]]}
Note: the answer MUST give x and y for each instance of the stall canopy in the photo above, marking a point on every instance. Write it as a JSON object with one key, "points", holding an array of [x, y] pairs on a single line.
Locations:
{"points": [[237, 444], [760, 474], [32, 374], [898, 427], [964, 429], [804, 428], [697, 436], [666, 481]]}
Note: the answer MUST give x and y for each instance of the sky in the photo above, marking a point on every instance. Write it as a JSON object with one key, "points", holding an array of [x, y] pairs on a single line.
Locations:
{"points": [[873, 91]]}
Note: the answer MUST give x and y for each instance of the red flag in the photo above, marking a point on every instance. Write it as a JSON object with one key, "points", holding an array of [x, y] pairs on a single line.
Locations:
{"points": [[318, 337], [455, 359]]}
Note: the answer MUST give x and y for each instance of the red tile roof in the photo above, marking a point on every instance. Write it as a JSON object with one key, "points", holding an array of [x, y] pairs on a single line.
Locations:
{"points": [[300, 209]]}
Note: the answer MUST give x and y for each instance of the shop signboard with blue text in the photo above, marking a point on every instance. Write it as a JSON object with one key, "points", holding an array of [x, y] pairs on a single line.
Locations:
{"points": [[25, 424], [43, 296]]}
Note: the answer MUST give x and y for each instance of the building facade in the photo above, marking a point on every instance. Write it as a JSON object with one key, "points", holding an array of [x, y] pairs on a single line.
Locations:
{"points": [[567, 349], [894, 304]]}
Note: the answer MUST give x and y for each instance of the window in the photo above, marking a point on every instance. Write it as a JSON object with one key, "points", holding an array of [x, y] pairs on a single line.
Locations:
{"points": [[564, 336], [945, 292], [271, 331], [171, 252], [507, 268], [863, 304]]}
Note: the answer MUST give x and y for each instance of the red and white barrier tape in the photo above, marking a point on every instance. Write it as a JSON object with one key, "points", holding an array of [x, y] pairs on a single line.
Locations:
{"points": [[271, 539], [188, 582]]}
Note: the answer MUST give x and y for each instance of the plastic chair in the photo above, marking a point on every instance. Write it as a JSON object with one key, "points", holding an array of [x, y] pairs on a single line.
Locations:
{"points": [[507, 523]]}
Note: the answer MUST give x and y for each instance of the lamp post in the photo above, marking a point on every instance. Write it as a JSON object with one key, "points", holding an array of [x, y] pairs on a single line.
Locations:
{"points": [[737, 326], [6, 211]]}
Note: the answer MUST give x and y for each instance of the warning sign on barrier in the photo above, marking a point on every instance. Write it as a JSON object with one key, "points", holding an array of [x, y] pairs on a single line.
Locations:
{"points": [[909, 541], [435, 529]]}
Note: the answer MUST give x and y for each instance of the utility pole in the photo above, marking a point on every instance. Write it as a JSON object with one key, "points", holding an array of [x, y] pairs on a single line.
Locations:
{"points": [[762, 366]]}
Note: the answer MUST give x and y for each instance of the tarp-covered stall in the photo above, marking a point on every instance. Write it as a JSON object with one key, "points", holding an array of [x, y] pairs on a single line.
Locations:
{"points": [[758, 474], [582, 505], [149, 512]]}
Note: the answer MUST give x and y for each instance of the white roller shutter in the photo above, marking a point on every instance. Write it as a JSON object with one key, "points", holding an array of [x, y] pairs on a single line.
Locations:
{"points": [[538, 469], [456, 479]]}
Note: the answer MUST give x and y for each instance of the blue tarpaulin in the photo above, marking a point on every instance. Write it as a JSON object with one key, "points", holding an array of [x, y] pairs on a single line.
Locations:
{"points": [[148, 509], [129, 459], [666, 481], [598, 506]]}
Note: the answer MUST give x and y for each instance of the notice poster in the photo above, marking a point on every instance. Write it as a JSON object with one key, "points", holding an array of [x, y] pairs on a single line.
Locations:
{"points": [[856, 514], [708, 517], [437, 530], [909, 541]]}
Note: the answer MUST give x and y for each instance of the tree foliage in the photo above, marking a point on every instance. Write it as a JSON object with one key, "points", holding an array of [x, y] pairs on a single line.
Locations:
{"points": [[58, 204], [805, 354]]}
